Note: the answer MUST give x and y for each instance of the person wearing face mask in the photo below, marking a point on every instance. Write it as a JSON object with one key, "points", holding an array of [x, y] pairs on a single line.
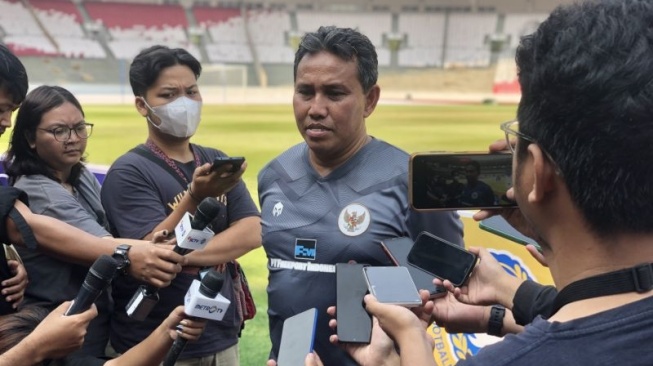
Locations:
{"points": [[152, 186]]}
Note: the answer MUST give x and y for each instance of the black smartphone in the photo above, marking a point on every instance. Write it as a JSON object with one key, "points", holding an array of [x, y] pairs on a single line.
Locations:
{"points": [[459, 181], [397, 250], [499, 226], [392, 285], [235, 161], [441, 258], [297, 338], [354, 322]]}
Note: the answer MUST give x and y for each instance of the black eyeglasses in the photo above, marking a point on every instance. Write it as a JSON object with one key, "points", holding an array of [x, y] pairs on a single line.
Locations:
{"points": [[63, 133], [512, 128]]}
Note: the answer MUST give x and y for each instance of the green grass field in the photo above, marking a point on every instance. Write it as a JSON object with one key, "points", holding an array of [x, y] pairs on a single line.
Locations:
{"points": [[261, 132]]}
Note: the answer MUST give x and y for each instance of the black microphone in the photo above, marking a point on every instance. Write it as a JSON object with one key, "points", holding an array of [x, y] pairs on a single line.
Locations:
{"points": [[209, 287], [97, 279], [147, 296]]}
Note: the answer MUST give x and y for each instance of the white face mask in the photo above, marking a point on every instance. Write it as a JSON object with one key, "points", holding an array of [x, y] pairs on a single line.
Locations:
{"points": [[179, 118]]}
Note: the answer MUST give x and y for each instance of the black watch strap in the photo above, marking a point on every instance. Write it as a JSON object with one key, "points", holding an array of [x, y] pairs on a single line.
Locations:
{"points": [[121, 254], [495, 323]]}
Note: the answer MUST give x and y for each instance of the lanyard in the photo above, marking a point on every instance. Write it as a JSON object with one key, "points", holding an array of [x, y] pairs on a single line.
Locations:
{"points": [[161, 155], [635, 279]]}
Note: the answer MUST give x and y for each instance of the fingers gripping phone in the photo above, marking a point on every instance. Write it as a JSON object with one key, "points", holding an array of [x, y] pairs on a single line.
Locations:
{"points": [[459, 181], [441, 258], [235, 161]]}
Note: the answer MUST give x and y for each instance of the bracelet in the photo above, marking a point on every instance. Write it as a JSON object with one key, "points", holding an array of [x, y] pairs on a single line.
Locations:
{"points": [[190, 193], [495, 323]]}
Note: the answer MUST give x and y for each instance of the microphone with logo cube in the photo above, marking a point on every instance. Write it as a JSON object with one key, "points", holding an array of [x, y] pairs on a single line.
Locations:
{"points": [[192, 233], [203, 300]]}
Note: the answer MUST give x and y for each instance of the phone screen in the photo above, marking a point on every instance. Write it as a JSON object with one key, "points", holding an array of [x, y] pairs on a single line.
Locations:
{"points": [[392, 285], [442, 259], [459, 181]]}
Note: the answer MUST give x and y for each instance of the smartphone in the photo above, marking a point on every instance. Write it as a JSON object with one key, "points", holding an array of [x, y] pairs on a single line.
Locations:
{"points": [[354, 322], [235, 161], [397, 250], [297, 337], [441, 258], [499, 226], [459, 181], [392, 285]]}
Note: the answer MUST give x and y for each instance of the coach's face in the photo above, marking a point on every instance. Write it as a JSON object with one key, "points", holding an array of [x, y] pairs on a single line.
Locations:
{"points": [[330, 107], [7, 108]]}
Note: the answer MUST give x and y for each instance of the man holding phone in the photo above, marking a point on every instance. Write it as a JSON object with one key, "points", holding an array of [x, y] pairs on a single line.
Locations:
{"points": [[331, 198], [583, 183]]}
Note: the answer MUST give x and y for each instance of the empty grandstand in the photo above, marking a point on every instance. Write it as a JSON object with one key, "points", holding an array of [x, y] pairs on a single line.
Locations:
{"points": [[94, 41]]}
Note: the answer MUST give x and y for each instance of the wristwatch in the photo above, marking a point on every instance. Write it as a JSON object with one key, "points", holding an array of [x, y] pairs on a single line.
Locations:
{"points": [[121, 255], [495, 323]]}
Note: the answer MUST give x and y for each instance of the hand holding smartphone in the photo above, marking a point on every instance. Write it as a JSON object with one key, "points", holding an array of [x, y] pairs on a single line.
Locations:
{"points": [[441, 258], [235, 161], [459, 181]]}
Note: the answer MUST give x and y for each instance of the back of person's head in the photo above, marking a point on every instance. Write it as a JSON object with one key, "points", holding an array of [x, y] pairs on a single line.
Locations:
{"points": [[346, 43], [150, 62], [16, 326], [13, 77], [586, 77], [21, 158]]}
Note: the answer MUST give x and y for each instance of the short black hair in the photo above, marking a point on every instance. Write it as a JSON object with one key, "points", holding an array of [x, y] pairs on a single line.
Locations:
{"points": [[346, 43], [13, 77], [586, 76], [148, 64]]}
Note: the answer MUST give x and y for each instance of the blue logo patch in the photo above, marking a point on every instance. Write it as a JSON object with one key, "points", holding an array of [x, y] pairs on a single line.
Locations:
{"points": [[305, 249]]}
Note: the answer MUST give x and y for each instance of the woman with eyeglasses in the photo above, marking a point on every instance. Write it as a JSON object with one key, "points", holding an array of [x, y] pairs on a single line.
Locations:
{"points": [[46, 160]]}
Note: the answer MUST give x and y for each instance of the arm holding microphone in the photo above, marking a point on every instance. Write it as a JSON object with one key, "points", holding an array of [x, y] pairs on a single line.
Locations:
{"points": [[55, 337], [152, 350], [155, 264], [191, 234]]}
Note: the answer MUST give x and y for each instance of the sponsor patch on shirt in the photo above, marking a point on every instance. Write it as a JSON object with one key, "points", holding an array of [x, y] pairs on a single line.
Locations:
{"points": [[354, 219], [305, 249]]}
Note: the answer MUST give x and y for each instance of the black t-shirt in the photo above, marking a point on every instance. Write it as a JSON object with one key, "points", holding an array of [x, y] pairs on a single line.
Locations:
{"points": [[8, 196]]}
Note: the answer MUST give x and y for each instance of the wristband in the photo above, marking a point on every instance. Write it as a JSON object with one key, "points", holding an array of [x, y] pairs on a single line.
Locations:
{"points": [[190, 193], [495, 323]]}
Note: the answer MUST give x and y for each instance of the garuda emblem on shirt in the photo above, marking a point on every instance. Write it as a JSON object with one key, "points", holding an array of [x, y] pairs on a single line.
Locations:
{"points": [[354, 219]]}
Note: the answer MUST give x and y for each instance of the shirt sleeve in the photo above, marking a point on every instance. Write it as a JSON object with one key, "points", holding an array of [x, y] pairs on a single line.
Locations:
{"points": [[49, 198], [531, 300]]}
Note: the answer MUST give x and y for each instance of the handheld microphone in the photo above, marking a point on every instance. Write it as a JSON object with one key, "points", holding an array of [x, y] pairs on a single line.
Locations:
{"points": [[203, 300], [191, 234], [97, 279]]}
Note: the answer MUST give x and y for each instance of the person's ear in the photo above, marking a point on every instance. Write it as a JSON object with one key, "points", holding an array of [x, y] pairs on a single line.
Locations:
{"points": [[142, 109], [544, 173], [371, 99], [31, 139]]}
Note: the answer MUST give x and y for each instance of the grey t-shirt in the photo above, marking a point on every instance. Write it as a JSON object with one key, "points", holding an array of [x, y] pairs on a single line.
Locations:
{"points": [[310, 223], [53, 281]]}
